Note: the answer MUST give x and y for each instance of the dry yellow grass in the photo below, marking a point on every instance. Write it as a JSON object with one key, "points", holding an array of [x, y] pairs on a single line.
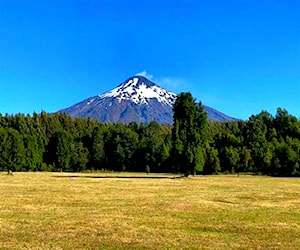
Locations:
{"points": [[75, 211]]}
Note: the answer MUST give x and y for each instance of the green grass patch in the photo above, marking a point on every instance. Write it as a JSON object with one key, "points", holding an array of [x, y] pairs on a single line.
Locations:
{"points": [[139, 211]]}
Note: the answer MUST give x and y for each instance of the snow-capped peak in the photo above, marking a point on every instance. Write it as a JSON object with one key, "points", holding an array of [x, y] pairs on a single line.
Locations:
{"points": [[139, 90]]}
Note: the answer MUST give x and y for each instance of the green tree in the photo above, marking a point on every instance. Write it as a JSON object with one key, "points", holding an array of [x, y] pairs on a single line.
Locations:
{"points": [[152, 149], [287, 158], [256, 141], [79, 157], [59, 150], [120, 143], [12, 149], [230, 159], [97, 150], [33, 153], [189, 122], [212, 162], [283, 122], [245, 158]]}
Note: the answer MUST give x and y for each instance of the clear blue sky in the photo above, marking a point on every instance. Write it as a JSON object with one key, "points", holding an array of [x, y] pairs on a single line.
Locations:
{"points": [[238, 56]]}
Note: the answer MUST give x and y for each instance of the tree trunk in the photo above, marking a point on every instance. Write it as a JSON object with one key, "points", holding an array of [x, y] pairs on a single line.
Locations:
{"points": [[9, 171]]}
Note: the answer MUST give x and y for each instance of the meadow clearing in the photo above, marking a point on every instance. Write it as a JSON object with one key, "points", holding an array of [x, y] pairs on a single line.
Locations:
{"points": [[128, 211]]}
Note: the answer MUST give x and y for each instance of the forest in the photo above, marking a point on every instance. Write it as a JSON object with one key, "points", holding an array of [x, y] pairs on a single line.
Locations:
{"points": [[263, 144]]}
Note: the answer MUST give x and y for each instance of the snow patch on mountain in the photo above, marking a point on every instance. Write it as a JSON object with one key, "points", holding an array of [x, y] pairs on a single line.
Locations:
{"points": [[139, 90]]}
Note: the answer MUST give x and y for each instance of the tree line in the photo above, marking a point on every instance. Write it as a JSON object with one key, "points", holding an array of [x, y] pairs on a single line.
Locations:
{"points": [[263, 144]]}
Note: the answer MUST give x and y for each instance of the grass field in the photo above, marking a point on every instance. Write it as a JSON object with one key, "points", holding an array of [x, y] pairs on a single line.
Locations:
{"points": [[100, 211]]}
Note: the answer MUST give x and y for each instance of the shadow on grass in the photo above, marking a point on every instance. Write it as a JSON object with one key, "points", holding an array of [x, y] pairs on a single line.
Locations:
{"points": [[118, 177]]}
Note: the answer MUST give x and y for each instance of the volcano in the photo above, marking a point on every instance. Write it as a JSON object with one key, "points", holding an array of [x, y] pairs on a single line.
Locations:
{"points": [[135, 100]]}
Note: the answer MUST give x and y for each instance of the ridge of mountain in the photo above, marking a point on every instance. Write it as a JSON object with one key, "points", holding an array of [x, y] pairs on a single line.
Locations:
{"points": [[135, 100]]}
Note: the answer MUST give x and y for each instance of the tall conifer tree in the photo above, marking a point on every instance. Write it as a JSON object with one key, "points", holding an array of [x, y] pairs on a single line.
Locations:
{"points": [[188, 134]]}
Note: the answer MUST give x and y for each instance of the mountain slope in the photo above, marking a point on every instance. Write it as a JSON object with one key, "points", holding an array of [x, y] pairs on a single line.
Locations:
{"points": [[137, 99]]}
